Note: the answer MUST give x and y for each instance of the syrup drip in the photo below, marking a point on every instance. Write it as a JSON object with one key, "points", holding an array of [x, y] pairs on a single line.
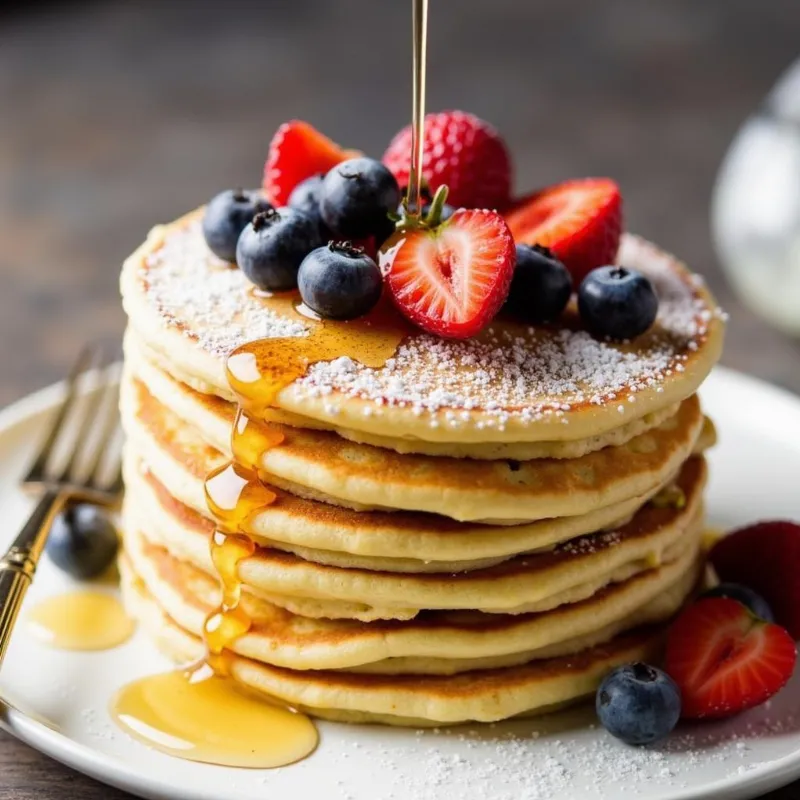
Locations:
{"points": [[82, 620], [202, 714], [258, 371]]}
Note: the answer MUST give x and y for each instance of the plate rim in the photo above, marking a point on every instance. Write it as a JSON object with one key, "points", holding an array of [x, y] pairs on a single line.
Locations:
{"points": [[113, 771]]}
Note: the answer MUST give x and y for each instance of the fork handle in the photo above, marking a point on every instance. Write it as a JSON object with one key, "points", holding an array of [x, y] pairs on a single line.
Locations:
{"points": [[18, 565]]}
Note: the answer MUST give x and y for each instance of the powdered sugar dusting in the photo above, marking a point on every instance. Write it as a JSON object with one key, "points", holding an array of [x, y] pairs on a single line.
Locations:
{"points": [[509, 371], [207, 298]]}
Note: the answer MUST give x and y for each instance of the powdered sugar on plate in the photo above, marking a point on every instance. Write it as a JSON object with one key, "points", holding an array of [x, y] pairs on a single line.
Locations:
{"points": [[508, 371], [564, 756]]}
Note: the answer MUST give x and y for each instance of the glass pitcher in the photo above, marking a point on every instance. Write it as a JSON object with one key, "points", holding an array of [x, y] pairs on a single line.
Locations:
{"points": [[756, 207]]}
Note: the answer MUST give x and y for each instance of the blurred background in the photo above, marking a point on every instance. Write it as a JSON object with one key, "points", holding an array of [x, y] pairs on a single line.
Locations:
{"points": [[120, 114]]}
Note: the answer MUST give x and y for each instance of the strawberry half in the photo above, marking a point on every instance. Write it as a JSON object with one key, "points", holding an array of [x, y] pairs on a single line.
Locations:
{"points": [[451, 280], [766, 558], [580, 221], [725, 659], [298, 151]]}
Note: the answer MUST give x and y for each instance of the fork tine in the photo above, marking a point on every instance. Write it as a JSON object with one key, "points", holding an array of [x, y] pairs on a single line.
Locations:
{"points": [[117, 484], [110, 425], [91, 405], [36, 473]]}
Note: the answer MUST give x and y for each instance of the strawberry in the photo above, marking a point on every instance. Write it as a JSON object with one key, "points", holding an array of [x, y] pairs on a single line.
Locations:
{"points": [[451, 280], [766, 558], [459, 150], [298, 151], [580, 221], [725, 659]]}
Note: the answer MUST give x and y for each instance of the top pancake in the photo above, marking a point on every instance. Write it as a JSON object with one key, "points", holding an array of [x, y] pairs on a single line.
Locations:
{"points": [[510, 384]]}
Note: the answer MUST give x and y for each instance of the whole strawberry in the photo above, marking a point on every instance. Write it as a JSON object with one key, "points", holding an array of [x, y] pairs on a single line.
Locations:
{"points": [[766, 558], [462, 151]]}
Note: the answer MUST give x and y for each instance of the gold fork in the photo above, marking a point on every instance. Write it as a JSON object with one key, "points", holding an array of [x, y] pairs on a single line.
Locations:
{"points": [[83, 471]]}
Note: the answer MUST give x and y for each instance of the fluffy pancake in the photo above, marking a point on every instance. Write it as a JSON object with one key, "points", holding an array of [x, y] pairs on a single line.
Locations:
{"points": [[412, 700], [214, 417], [511, 384], [177, 461], [433, 643], [320, 465], [572, 572]]}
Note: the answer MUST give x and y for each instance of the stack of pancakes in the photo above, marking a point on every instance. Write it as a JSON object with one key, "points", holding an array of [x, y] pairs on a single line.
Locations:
{"points": [[472, 531]]}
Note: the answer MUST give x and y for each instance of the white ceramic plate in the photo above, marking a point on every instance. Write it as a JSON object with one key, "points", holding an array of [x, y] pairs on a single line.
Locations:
{"points": [[57, 700]]}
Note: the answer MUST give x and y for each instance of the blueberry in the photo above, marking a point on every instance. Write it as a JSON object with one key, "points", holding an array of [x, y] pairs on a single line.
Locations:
{"points": [[357, 195], [617, 302], [339, 281], [272, 247], [747, 597], [381, 234], [541, 287], [638, 703], [83, 541], [305, 196], [226, 217]]}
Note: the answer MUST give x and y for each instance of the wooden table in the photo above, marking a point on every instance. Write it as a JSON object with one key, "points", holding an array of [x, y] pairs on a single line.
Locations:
{"points": [[115, 116]]}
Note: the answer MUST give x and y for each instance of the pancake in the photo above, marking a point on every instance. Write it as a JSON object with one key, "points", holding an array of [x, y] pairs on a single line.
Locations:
{"points": [[320, 465], [572, 572], [409, 700], [512, 383], [214, 418], [177, 461], [145, 491], [435, 642]]}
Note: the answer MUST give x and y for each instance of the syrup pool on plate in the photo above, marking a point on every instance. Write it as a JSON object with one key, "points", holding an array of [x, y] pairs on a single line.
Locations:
{"points": [[81, 620], [201, 716]]}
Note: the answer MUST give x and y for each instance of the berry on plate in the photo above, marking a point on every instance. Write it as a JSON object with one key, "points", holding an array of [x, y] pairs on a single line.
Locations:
{"points": [[617, 303], [83, 541], [298, 151], [579, 220], [450, 280], [725, 659], [225, 218], [459, 150], [744, 595], [339, 281], [357, 197], [638, 703], [766, 558], [272, 247], [541, 287]]}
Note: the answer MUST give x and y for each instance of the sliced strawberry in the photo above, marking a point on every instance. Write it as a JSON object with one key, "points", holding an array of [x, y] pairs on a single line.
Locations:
{"points": [[451, 281], [580, 221], [725, 659], [298, 151], [462, 151], [766, 558]]}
